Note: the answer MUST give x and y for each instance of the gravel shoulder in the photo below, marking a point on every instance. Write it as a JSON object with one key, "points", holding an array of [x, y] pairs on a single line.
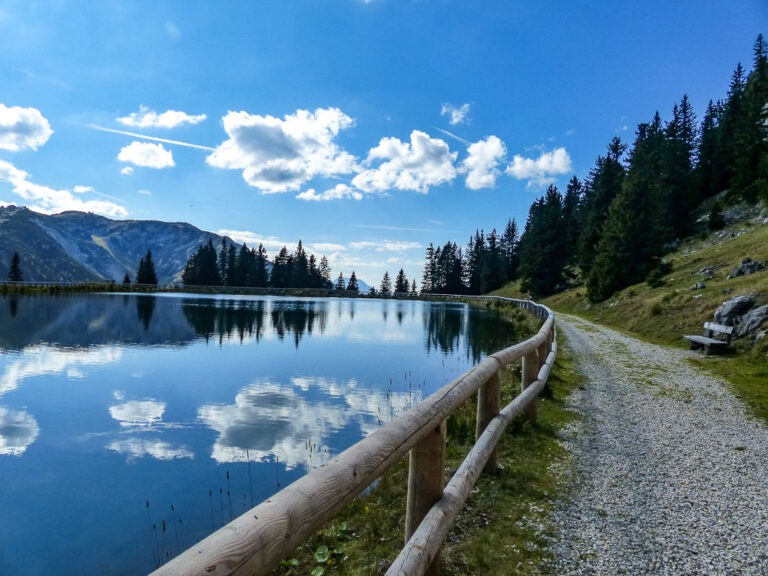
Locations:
{"points": [[669, 473]]}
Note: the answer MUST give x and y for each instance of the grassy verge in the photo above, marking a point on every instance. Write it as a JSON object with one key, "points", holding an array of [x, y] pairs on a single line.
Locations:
{"points": [[685, 298], [503, 526]]}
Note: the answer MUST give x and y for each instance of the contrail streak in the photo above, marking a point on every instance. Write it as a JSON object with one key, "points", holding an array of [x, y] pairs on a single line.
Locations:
{"points": [[452, 135], [153, 138]]}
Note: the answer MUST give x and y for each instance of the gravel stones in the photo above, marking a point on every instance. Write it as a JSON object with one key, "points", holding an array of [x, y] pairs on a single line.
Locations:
{"points": [[669, 471]]}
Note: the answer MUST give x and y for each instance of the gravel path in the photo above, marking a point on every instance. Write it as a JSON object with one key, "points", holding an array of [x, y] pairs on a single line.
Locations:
{"points": [[670, 474]]}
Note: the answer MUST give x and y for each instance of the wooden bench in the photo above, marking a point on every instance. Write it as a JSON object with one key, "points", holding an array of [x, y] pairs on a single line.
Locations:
{"points": [[716, 337]]}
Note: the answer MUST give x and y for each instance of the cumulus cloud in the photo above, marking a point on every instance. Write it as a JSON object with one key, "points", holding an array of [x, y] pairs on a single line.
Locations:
{"points": [[22, 128], [456, 114], [146, 118], [339, 192], [415, 166], [542, 170], [482, 164], [51, 201], [147, 155], [280, 155], [127, 171]]}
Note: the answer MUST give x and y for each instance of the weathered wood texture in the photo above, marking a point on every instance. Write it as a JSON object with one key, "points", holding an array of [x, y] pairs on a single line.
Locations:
{"points": [[422, 548], [258, 540]]}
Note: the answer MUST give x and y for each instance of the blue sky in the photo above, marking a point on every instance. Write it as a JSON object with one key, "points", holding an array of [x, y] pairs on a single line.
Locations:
{"points": [[367, 129]]}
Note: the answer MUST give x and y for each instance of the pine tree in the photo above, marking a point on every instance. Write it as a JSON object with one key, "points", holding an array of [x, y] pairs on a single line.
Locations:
{"points": [[509, 241], [602, 186], [401, 283], [325, 273], [126, 279], [413, 287], [636, 226], [340, 283], [146, 271], [352, 284], [386, 285], [281, 269], [14, 272], [543, 254], [430, 271], [260, 273], [202, 268]]}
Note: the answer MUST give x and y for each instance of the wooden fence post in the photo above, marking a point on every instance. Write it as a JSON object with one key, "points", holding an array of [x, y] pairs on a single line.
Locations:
{"points": [[425, 482], [488, 406], [529, 373]]}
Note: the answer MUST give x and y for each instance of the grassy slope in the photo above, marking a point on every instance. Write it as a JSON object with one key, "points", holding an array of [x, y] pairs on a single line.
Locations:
{"points": [[664, 314]]}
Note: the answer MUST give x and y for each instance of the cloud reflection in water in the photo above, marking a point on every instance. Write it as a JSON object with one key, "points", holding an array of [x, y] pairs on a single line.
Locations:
{"points": [[18, 430], [268, 420]]}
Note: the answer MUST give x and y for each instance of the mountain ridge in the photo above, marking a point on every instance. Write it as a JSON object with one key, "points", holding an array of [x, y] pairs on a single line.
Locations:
{"points": [[77, 246]]}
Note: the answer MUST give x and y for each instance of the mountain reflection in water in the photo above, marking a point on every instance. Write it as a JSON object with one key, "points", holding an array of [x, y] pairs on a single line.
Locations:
{"points": [[121, 414]]}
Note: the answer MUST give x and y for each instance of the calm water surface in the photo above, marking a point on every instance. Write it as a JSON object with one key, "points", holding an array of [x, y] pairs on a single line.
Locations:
{"points": [[132, 426]]}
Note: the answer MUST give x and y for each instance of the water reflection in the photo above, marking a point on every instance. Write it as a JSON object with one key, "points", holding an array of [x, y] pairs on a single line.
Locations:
{"points": [[138, 412], [109, 401], [135, 448], [18, 429], [40, 360]]}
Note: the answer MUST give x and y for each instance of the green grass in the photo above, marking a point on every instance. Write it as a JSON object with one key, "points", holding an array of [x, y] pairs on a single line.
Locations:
{"points": [[501, 529], [665, 313]]}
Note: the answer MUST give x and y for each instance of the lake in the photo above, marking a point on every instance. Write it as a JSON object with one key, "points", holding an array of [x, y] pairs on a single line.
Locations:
{"points": [[132, 426]]}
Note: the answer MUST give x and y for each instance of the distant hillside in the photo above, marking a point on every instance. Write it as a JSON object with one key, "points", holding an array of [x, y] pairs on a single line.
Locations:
{"points": [[78, 246]]}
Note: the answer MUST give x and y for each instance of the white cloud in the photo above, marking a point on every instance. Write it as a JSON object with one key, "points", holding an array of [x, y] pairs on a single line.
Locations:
{"points": [[323, 247], [385, 246], [542, 170], [339, 192], [127, 171], [82, 189], [22, 128], [271, 243], [280, 155], [147, 155], [415, 166], [51, 201], [144, 192], [482, 164], [456, 115], [146, 118]]}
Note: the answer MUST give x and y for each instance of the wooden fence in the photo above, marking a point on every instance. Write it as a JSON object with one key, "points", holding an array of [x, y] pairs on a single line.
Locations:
{"points": [[257, 541]]}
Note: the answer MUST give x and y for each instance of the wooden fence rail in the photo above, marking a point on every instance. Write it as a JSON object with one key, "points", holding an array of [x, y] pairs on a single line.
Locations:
{"points": [[257, 541]]}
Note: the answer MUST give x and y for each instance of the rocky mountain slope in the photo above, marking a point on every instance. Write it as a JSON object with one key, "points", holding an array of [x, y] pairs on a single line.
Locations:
{"points": [[79, 246]]}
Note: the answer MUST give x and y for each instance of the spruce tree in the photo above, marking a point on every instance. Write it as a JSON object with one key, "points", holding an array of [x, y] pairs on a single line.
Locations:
{"points": [[602, 186], [401, 283], [340, 283], [386, 285], [260, 273], [14, 271], [146, 271], [635, 228], [352, 285]]}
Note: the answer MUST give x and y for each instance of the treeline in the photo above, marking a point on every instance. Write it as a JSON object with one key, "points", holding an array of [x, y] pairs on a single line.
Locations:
{"points": [[250, 268], [487, 263], [614, 228]]}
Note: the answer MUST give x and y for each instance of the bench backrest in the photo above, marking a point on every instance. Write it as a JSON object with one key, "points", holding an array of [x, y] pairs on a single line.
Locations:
{"points": [[713, 328]]}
